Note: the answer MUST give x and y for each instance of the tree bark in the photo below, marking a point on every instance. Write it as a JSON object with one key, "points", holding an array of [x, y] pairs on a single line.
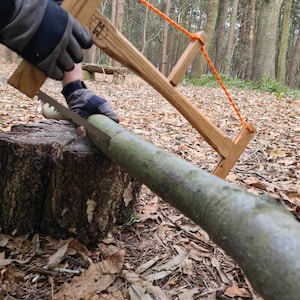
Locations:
{"points": [[284, 41], [231, 35], [117, 18], [266, 40], [257, 231], [221, 33], [294, 63], [250, 50], [54, 182], [200, 64], [164, 57], [89, 55]]}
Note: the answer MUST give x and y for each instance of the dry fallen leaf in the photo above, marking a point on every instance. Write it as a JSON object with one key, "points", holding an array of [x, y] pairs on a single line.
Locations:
{"points": [[217, 265], [137, 292], [173, 263], [235, 291], [141, 288], [98, 277], [145, 266], [188, 294], [55, 259]]}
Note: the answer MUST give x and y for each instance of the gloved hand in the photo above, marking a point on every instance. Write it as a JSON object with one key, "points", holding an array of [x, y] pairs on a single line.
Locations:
{"points": [[85, 103], [45, 35]]}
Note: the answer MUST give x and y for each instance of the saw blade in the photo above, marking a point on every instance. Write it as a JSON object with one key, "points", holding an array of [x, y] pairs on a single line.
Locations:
{"points": [[73, 117]]}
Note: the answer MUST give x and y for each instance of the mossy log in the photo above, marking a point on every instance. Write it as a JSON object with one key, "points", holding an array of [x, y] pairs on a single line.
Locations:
{"points": [[257, 231], [59, 184]]}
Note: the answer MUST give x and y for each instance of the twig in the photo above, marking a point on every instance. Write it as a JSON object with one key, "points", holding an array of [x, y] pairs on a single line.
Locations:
{"points": [[62, 270], [254, 173]]}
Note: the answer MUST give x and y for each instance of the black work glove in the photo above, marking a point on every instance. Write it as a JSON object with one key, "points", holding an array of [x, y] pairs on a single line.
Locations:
{"points": [[45, 35], [85, 103]]}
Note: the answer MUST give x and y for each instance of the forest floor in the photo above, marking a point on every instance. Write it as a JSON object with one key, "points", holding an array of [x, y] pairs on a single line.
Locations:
{"points": [[159, 254]]}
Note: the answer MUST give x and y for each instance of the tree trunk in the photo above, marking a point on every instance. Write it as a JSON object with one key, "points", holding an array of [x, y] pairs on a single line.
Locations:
{"points": [[89, 55], [114, 6], [231, 35], [164, 57], [251, 40], [294, 63], [266, 42], [117, 19], [120, 15], [221, 37], [144, 37], [54, 182], [257, 231], [284, 41], [200, 64], [180, 40], [241, 55]]}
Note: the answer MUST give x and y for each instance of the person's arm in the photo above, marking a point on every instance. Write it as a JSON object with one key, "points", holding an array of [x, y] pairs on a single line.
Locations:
{"points": [[44, 34], [50, 38], [6, 11]]}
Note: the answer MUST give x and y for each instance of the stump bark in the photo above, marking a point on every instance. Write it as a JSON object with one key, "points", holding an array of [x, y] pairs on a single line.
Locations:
{"points": [[54, 182]]}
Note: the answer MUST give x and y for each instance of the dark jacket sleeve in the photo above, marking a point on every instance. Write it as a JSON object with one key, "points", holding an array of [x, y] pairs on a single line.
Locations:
{"points": [[6, 11]]}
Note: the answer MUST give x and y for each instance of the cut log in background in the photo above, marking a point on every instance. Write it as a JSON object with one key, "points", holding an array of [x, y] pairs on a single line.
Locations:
{"points": [[54, 182], [119, 73]]}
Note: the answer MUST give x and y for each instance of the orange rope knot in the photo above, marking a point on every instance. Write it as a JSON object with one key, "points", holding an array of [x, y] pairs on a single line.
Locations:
{"points": [[194, 37]]}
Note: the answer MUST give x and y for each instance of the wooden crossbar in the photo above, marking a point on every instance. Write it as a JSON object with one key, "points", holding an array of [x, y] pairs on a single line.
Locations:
{"points": [[28, 79], [186, 59]]}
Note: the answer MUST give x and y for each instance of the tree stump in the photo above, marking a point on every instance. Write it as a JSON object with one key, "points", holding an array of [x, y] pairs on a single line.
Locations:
{"points": [[54, 182]]}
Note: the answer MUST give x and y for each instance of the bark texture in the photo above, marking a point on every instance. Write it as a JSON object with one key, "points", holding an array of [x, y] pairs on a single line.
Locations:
{"points": [[104, 69], [255, 230], [266, 39], [119, 73], [54, 182]]}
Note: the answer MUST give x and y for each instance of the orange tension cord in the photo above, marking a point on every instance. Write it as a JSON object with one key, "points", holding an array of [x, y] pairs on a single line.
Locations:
{"points": [[194, 37]]}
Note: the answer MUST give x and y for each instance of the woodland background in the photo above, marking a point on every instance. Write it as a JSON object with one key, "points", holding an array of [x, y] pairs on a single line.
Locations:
{"points": [[248, 39]]}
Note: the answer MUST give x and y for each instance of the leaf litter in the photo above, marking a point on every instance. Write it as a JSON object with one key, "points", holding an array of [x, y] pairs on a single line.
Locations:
{"points": [[161, 255]]}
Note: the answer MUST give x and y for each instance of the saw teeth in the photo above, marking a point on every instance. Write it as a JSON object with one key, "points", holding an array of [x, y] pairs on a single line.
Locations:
{"points": [[49, 112]]}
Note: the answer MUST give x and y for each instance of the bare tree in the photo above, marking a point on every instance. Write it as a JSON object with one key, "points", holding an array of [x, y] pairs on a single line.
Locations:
{"points": [[284, 41], [199, 66], [224, 5], [294, 63], [251, 20], [117, 19], [164, 57], [266, 39], [231, 35]]}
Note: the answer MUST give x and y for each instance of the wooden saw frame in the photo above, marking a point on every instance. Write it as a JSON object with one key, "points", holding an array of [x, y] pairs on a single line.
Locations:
{"points": [[28, 79]]}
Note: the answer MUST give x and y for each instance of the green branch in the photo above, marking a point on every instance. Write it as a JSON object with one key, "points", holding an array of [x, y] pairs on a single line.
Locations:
{"points": [[256, 231]]}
